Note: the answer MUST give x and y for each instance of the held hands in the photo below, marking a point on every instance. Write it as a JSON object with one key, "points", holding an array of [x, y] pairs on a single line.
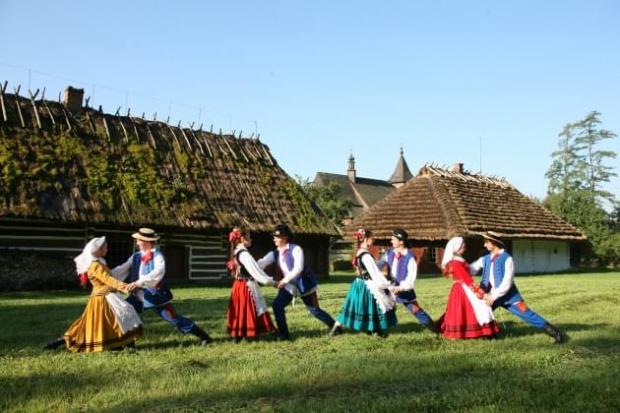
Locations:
{"points": [[281, 285], [395, 290], [131, 287], [489, 300]]}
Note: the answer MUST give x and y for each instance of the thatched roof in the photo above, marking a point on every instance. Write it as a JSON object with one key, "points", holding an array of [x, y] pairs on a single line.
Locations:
{"points": [[83, 165], [438, 204]]}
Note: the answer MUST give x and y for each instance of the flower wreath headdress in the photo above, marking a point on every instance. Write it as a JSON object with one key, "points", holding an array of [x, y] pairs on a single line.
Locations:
{"points": [[360, 234]]}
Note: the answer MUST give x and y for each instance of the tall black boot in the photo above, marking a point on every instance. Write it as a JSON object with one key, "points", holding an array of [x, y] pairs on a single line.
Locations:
{"points": [[200, 333], [55, 343], [559, 336]]}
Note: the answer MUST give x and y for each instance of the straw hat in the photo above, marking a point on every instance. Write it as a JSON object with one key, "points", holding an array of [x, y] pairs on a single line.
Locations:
{"points": [[493, 237], [146, 234]]}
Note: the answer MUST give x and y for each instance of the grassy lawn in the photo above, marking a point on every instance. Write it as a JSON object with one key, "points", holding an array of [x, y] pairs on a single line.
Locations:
{"points": [[411, 370]]}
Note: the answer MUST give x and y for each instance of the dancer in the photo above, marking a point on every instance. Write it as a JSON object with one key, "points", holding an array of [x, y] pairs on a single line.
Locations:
{"points": [[369, 305], [108, 321], [247, 314], [467, 313], [294, 278], [149, 290], [404, 271], [498, 282]]}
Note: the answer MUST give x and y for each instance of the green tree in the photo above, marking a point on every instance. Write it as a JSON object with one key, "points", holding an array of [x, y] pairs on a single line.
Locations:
{"points": [[576, 176], [327, 198], [588, 137]]}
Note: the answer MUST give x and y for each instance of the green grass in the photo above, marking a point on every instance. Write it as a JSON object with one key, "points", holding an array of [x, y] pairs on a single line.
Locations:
{"points": [[411, 370]]}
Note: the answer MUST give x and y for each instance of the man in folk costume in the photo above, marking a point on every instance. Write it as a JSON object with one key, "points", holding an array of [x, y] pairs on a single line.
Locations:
{"points": [[149, 290], [498, 281], [404, 271], [294, 278]]}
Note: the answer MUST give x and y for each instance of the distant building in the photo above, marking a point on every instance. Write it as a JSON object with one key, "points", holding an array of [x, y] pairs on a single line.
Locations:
{"points": [[363, 194]]}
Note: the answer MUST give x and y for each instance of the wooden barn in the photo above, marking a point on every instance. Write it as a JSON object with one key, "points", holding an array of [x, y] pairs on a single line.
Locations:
{"points": [[70, 172], [438, 204]]}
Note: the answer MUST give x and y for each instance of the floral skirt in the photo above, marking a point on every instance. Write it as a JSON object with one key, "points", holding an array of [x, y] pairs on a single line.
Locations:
{"points": [[242, 319], [460, 321], [99, 329], [361, 312]]}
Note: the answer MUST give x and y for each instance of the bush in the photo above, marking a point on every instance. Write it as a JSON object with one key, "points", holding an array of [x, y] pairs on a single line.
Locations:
{"points": [[36, 271]]}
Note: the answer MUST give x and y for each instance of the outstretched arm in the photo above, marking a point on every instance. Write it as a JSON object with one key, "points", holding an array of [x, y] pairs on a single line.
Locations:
{"points": [[253, 268]]}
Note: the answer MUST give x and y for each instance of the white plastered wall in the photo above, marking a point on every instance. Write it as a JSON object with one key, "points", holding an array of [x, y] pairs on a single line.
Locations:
{"points": [[533, 256]]}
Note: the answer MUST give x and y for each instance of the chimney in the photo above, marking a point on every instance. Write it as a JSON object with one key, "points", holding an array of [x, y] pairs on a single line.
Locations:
{"points": [[351, 169], [458, 168], [72, 99]]}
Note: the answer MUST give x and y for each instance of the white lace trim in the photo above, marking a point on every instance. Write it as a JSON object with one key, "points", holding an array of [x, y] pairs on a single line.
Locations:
{"points": [[258, 297], [127, 317], [384, 298]]}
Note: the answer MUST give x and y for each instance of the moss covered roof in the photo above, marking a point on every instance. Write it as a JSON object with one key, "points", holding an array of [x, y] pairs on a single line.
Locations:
{"points": [[89, 166]]}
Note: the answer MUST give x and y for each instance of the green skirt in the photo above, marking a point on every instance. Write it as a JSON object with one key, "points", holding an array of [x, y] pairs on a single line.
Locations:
{"points": [[361, 312]]}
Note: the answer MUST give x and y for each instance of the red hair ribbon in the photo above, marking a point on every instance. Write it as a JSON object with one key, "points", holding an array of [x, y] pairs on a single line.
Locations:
{"points": [[360, 234], [234, 235]]}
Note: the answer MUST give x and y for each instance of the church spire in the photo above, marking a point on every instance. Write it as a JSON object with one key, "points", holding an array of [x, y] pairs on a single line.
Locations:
{"points": [[402, 173], [351, 169]]}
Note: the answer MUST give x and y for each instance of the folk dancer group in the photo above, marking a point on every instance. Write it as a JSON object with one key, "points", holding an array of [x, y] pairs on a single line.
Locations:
{"points": [[110, 322]]}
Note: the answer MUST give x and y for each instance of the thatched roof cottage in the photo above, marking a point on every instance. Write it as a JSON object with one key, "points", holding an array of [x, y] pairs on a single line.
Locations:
{"points": [[70, 172], [438, 204]]}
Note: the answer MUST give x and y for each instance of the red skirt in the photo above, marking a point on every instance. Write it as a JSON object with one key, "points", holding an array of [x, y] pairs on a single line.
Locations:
{"points": [[459, 320], [241, 318]]}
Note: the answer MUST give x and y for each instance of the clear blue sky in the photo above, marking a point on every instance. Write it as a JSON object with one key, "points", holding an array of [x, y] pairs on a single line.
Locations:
{"points": [[486, 83]]}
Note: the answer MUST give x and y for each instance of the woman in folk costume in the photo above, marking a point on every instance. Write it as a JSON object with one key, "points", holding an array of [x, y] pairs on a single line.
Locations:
{"points": [[248, 314], [467, 313], [108, 322], [369, 305]]}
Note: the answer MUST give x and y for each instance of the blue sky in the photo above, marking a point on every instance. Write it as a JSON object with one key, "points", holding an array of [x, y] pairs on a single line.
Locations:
{"points": [[486, 83]]}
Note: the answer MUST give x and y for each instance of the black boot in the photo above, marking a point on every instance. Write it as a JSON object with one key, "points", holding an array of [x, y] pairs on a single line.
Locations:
{"points": [[54, 344], [433, 327], [336, 330], [204, 337], [559, 336]]}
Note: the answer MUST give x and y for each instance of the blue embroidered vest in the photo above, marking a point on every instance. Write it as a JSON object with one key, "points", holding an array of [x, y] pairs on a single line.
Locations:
{"points": [[512, 296], [401, 274], [155, 296], [307, 280]]}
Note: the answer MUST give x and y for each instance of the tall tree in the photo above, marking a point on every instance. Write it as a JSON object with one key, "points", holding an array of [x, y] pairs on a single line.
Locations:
{"points": [[588, 137], [576, 176]]}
